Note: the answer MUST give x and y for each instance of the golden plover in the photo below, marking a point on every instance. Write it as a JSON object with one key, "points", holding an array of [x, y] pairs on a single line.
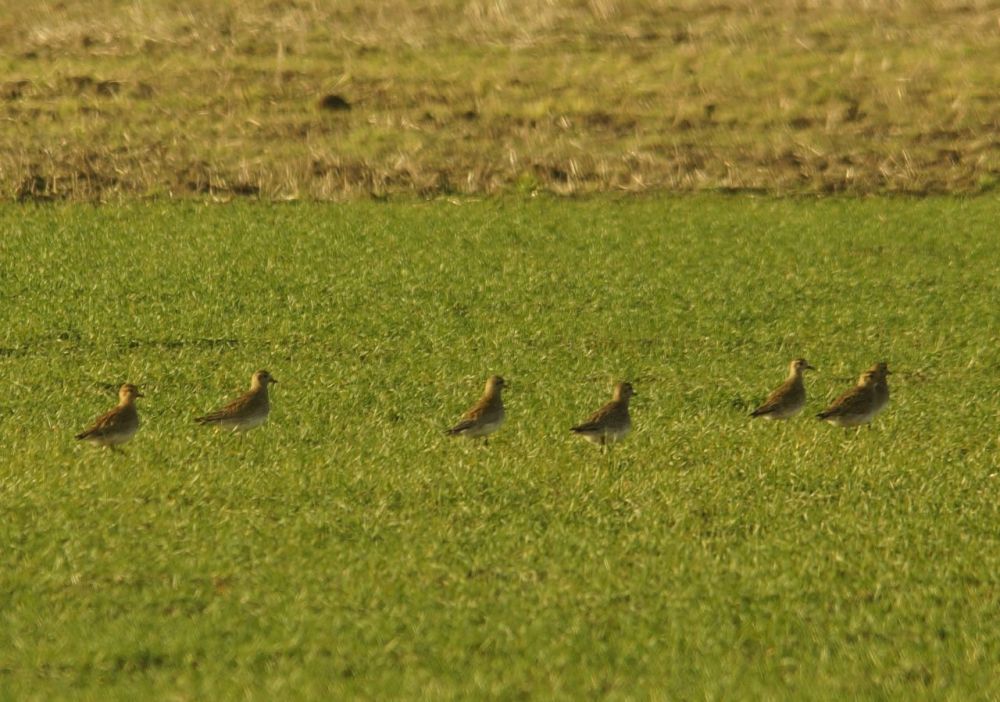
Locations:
{"points": [[117, 426], [790, 397], [610, 423], [484, 417], [860, 404], [247, 411]]}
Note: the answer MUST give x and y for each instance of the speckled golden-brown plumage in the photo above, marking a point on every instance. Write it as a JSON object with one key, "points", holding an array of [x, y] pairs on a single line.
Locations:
{"points": [[117, 426], [863, 402], [790, 397], [611, 422], [484, 417], [247, 411]]}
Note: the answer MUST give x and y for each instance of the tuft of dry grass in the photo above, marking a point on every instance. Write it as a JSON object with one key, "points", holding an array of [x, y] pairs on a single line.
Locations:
{"points": [[284, 99]]}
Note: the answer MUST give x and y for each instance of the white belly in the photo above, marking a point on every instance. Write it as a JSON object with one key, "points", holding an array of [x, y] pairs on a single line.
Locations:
{"points": [[786, 412], [116, 439], [606, 437], [853, 420], [244, 424], [483, 429]]}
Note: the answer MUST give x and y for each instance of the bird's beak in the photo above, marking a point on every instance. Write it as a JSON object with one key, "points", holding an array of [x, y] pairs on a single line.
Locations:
{"points": [[139, 394], [808, 367], [273, 380]]}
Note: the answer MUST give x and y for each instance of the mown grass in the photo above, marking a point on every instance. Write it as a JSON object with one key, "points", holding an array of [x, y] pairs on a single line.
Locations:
{"points": [[348, 548], [110, 98]]}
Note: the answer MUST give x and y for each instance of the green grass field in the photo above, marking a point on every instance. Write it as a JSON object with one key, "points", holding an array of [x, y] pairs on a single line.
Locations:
{"points": [[349, 548]]}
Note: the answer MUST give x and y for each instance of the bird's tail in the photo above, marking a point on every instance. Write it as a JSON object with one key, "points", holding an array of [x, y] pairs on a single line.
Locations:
{"points": [[458, 428]]}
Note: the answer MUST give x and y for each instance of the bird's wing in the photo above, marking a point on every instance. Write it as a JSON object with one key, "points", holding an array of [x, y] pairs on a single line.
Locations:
{"points": [[853, 401], [233, 409], [471, 417], [774, 400], [461, 426], [103, 425], [597, 420]]}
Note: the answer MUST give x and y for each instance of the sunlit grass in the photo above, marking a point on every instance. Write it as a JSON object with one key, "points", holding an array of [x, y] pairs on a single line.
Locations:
{"points": [[350, 548]]}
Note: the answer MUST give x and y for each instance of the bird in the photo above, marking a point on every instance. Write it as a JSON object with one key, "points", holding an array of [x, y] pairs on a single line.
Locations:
{"points": [[117, 426], [484, 417], [247, 411], [790, 397], [610, 423], [860, 404]]}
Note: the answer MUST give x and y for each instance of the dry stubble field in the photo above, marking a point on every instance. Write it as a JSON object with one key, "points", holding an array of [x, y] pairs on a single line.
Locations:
{"points": [[300, 99]]}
